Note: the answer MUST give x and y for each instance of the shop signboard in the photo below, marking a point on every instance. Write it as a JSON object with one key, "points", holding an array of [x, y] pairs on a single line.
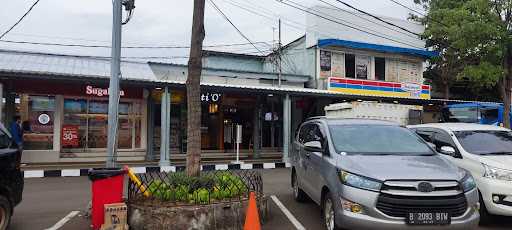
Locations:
{"points": [[100, 92], [211, 97], [379, 88], [70, 136]]}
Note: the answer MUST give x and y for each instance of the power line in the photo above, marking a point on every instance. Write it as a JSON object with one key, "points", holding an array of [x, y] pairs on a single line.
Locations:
{"points": [[19, 20], [409, 8], [124, 47], [376, 34], [366, 19], [230, 22], [378, 18]]}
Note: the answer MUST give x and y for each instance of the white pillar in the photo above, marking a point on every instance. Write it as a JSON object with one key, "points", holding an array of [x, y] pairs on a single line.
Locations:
{"points": [[58, 116], [165, 127], [286, 127]]}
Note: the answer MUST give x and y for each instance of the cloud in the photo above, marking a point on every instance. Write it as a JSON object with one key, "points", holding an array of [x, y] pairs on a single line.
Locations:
{"points": [[158, 22]]}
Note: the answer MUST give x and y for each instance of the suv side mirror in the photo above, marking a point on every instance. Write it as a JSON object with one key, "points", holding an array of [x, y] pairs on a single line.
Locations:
{"points": [[448, 150], [313, 146]]}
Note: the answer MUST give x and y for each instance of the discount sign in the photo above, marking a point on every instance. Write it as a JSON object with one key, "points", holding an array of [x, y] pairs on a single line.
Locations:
{"points": [[69, 135]]}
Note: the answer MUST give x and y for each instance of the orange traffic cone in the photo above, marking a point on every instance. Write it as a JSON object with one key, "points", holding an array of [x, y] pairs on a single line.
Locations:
{"points": [[252, 218]]}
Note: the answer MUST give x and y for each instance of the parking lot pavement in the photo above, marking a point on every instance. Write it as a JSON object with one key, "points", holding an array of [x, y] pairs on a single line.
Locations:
{"points": [[46, 201]]}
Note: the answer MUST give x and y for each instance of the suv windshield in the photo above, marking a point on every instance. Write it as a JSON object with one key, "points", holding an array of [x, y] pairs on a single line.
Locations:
{"points": [[383, 139], [486, 142]]}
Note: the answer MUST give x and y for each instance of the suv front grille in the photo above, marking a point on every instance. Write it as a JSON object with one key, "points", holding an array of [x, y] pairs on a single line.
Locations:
{"points": [[399, 198]]}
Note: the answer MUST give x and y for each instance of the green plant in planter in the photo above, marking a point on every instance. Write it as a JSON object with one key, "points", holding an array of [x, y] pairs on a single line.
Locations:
{"points": [[200, 190]]}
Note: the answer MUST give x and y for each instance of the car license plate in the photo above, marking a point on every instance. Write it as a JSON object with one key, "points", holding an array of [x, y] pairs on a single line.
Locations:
{"points": [[428, 218]]}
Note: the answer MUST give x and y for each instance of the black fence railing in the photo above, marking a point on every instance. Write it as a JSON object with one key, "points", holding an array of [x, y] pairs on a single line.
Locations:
{"points": [[176, 188]]}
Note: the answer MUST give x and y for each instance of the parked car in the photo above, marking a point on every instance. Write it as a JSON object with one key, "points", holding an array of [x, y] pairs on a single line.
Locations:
{"points": [[11, 177], [370, 174], [478, 112], [483, 150]]}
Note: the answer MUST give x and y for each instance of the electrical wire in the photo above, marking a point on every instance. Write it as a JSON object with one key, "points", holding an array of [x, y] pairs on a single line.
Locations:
{"points": [[21, 19], [368, 20], [230, 22], [378, 18], [124, 47], [345, 24]]}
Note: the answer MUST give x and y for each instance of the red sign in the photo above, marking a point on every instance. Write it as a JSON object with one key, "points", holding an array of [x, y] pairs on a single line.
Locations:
{"points": [[69, 135]]}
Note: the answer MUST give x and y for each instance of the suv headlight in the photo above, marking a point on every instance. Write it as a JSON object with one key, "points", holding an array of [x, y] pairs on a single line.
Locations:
{"points": [[497, 173], [468, 182], [359, 181]]}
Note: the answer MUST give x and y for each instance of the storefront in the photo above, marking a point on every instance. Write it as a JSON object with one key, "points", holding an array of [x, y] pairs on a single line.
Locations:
{"points": [[260, 116], [68, 121]]}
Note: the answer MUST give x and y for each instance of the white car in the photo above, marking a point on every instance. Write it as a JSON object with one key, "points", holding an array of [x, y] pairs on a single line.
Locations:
{"points": [[485, 151]]}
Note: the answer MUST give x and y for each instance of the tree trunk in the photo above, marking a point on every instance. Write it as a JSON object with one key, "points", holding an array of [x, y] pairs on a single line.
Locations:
{"points": [[506, 84], [446, 90], [195, 66]]}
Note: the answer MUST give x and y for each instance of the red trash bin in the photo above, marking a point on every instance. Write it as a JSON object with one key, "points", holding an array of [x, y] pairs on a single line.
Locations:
{"points": [[107, 188]]}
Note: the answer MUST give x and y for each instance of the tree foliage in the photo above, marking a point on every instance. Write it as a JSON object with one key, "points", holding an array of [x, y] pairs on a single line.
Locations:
{"points": [[473, 38]]}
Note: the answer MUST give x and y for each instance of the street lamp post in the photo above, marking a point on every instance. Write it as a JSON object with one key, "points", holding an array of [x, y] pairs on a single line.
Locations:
{"points": [[115, 73]]}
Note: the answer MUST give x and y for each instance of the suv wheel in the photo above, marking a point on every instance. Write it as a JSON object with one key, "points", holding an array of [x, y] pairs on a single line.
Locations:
{"points": [[329, 214], [298, 194], [5, 213]]}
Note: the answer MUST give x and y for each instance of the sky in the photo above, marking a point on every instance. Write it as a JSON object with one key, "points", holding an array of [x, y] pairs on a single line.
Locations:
{"points": [[163, 22]]}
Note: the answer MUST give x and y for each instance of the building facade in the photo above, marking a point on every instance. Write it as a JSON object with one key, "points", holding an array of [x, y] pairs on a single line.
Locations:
{"points": [[63, 99]]}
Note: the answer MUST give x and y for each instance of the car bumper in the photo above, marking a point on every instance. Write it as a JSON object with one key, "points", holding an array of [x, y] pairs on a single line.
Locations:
{"points": [[372, 218], [490, 187]]}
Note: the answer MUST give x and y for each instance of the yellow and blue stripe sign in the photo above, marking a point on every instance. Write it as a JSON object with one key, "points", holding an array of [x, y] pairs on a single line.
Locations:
{"points": [[379, 88]]}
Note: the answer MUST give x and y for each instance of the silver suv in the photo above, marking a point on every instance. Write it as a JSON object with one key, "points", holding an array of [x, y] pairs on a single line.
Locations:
{"points": [[369, 174]]}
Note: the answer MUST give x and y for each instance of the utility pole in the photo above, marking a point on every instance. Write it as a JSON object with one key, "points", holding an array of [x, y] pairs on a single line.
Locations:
{"points": [[279, 52], [115, 73]]}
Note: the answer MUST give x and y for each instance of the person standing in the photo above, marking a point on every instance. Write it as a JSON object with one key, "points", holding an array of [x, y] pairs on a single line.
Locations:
{"points": [[17, 131]]}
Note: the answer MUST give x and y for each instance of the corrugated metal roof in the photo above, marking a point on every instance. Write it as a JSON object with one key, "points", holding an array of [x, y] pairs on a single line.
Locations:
{"points": [[57, 64], [19, 62]]}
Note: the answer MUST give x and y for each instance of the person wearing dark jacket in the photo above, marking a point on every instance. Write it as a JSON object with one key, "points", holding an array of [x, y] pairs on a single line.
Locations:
{"points": [[17, 131]]}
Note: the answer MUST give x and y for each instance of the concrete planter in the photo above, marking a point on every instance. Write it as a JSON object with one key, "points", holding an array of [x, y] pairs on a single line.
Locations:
{"points": [[229, 215]]}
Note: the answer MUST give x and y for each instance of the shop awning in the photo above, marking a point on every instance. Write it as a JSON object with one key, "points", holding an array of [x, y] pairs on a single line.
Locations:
{"points": [[379, 48]]}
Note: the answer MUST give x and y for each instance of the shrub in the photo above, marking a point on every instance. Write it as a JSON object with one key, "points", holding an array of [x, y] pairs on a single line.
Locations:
{"points": [[178, 187]]}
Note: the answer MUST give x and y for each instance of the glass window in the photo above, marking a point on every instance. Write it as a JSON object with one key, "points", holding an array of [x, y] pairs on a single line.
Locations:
{"points": [[86, 124], [489, 115], [350, 65], [441, 139], [468, 114], [376, 140], [37, 114], [5, 140], [486, 142], [74, 128], [380, 69]]}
